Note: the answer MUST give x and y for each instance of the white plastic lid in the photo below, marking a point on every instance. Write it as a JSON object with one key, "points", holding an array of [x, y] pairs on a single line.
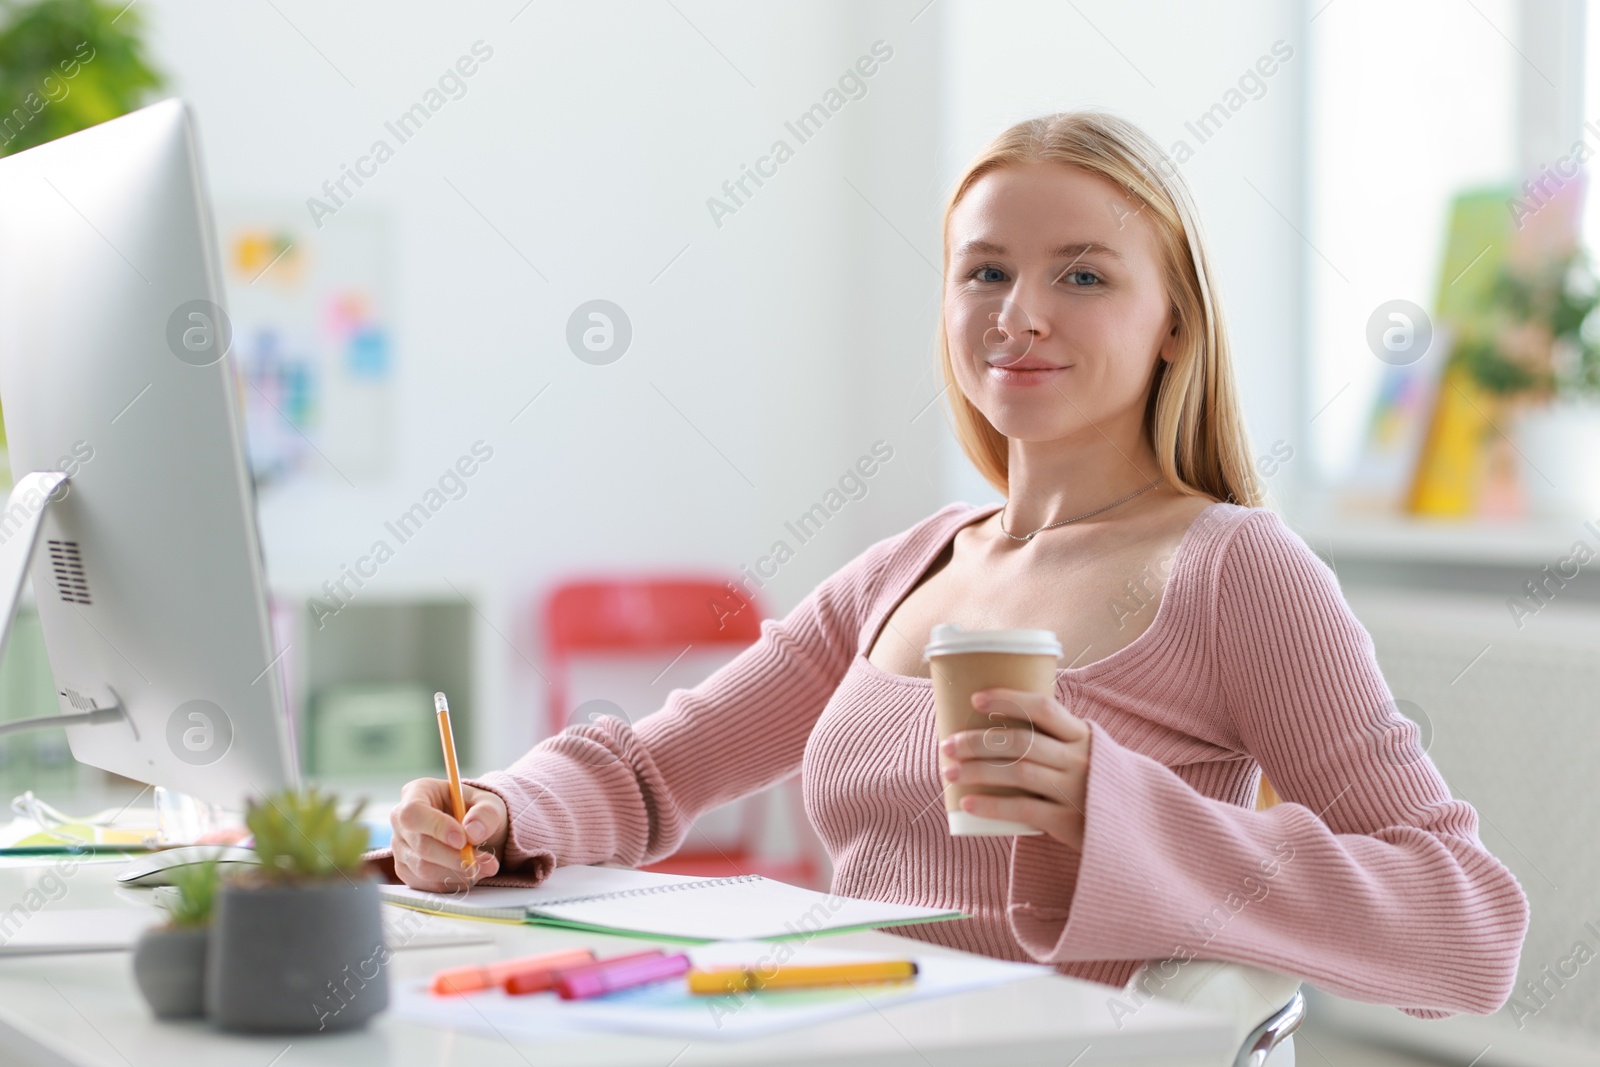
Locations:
{"points": [[948, 638], [967, 824]]}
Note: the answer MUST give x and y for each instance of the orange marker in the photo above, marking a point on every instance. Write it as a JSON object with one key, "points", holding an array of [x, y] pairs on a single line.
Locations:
{"points": [[472, 979], [468, 857]]}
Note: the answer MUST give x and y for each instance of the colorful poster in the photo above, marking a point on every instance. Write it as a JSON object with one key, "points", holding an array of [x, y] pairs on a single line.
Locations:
{"points": [[313, 336]]}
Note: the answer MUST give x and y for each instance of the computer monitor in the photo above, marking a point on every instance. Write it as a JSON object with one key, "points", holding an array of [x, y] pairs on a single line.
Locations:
{"points": [[132, 503]]}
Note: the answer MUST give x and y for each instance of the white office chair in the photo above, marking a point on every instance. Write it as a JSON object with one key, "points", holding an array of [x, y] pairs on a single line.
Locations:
{"points": [[1266, 1007]]}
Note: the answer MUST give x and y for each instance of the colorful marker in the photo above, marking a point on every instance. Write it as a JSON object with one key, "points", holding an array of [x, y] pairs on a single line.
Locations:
{"points": [[457, 980], [599, 979], [538, 979]]}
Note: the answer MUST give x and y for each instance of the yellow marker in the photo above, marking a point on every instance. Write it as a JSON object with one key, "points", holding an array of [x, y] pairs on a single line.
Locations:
{"points": [[468, 857], [724, 980]]}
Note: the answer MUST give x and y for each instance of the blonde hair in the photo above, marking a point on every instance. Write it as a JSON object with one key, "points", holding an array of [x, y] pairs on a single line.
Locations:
{"points": [[1192, 413]]}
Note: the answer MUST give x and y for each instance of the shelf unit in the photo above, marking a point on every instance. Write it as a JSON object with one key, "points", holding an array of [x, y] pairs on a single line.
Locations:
{"points": [[422, 635], [1478, 555]]}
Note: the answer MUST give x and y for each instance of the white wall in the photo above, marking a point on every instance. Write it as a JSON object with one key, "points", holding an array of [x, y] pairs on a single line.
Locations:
{"points": [[1380, 190], [1161, 65], [787, 341]]}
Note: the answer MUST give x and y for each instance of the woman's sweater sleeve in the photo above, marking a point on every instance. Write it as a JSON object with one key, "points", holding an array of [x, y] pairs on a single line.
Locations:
{"points": [[1367, 879], [610, 792]]}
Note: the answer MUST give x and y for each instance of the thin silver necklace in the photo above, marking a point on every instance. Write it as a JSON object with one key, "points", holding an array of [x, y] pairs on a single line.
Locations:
{"points": [[1063, 522]]}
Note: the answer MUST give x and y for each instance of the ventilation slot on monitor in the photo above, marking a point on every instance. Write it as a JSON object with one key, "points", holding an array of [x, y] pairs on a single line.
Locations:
{"points": [[68, 566], [77, 699]]}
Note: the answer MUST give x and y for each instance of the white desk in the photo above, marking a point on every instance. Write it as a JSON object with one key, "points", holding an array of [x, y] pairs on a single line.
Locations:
{"points": [[84, 1010]]}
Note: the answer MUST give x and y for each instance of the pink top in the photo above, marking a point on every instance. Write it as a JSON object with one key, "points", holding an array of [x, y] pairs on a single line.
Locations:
{"points": [[1369, 880]]}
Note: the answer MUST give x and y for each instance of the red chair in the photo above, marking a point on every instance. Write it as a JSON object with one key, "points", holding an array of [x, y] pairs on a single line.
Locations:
{"points": [[661, 616]]}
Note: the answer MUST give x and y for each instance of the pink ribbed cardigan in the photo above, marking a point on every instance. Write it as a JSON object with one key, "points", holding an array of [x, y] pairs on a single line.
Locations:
{"points": [[1368, 880]]}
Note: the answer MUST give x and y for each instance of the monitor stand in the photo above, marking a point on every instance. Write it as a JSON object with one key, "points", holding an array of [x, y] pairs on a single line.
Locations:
{"points": [[29, 497]]}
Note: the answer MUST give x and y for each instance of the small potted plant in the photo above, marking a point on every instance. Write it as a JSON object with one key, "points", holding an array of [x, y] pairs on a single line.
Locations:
{"points": [[297, 943], [169, 960]]}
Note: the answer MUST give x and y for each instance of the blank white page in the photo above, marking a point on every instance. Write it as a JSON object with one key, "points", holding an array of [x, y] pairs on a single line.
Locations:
{"points": [[510, 902], [742, 908], [670, 905]]}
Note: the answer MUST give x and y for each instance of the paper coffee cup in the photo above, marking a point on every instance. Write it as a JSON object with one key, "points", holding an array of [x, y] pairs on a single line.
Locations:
{"points": [[965, 661]]}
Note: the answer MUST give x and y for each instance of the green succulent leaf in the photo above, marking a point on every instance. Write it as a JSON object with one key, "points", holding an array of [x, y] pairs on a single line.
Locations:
{"points": [[197, 891], [300, 836]]}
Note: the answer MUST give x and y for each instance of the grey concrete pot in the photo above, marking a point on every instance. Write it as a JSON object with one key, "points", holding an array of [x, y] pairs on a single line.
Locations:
{"points": [[296, 958], [169, 965]]}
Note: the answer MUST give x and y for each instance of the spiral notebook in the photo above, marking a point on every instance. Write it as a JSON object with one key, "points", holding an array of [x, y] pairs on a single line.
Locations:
{"points": [[616, 900]]}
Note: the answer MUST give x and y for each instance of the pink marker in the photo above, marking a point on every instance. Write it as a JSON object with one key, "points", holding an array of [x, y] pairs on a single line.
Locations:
{"points": [[597, 979]]}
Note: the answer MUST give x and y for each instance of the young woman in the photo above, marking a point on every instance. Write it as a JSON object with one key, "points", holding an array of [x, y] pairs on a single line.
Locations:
{"points": [[1087, 365]]}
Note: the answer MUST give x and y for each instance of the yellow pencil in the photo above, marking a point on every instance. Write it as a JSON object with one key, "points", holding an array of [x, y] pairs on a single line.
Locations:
{"points": [[721, 981], [468, 857]]}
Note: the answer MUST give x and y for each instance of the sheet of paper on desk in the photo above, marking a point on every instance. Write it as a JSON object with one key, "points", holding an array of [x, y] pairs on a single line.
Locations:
{"points": [[669, 1009], [647, 904]]}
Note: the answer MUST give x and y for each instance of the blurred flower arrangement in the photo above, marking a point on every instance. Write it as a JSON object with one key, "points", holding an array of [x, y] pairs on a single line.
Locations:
{"points": [[1535, 348], [1539, 340]]}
